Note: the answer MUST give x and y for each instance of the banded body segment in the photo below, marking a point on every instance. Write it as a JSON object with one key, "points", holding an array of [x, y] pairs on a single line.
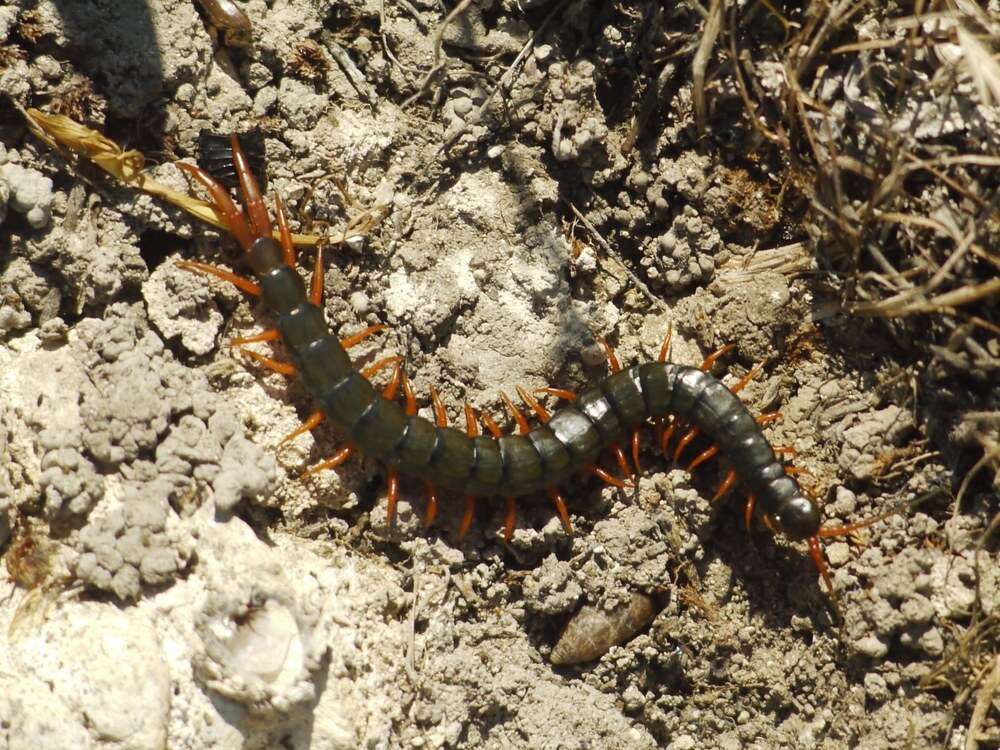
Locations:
{"points": [[624, 394]]}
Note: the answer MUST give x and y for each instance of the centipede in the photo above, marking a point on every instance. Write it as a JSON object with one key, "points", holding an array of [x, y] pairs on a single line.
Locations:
{"points": [[475, 464]]}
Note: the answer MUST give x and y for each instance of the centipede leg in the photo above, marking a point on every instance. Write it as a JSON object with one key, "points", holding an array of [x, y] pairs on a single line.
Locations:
{"points": [[430, 494], [635, 451], [714, 357], [727, 484], [284, 232], [467, 516], [311, 423], [510, 518], [241, 282], [560, 504], [283, 368], [605, 477], [331, 463], [270, 334], [357, 338], [234, 218], [702, 457], [685, 441], [748, 507], [391, 497], [253, 202]]}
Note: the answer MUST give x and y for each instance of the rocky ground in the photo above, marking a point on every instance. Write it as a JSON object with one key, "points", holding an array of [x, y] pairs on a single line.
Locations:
{"points": [[503, 185]]}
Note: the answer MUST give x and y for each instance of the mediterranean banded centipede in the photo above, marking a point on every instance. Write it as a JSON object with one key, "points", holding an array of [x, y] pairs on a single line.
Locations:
{"points": [[508, 466]]}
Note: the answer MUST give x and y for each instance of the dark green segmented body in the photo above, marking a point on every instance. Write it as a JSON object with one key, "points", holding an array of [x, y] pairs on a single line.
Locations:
{"points": [[516, 465]]}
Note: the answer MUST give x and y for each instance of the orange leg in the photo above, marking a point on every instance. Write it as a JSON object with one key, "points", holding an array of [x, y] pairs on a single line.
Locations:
{"points": [[612, 358], [243, 283], [519, 418], [471, 423], [727, 484], [284, 368], [702, 457], [310, 424], [560, 504], [253, 202], [635, 451], [510, 518], [411, 401], [389, 392], [712, 358], [287, 246], [495, 431], [665, 348], [271, 334], [667, 434], [820, 562], [376, 367], [235, 220], [392, 497], [685, 441], [467, 515], [540, 411], [360, 336], [432, 504], [601, 474], [440, 415], [562, 393], [754, 372], [338, 458], [748, 507], [771, 416], [619, 454], [316, 285]]}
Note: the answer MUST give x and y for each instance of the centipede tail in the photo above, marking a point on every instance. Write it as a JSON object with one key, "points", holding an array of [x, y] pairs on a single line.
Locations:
{"points": [[538, 459]]}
